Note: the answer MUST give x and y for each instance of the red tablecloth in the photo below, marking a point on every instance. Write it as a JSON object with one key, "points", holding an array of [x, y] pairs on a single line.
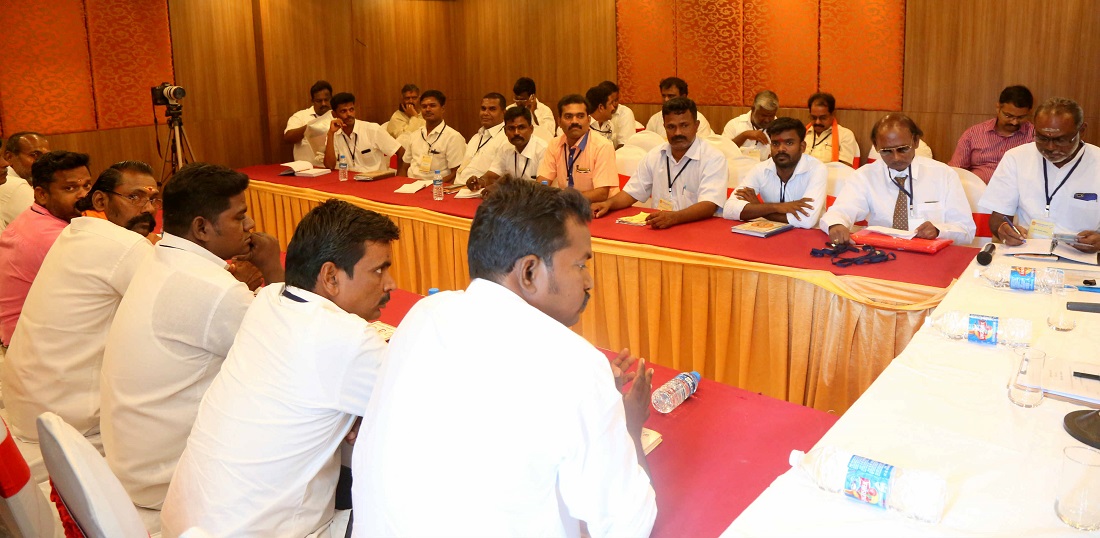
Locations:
{"points": [[720, 450], [710, 236]]}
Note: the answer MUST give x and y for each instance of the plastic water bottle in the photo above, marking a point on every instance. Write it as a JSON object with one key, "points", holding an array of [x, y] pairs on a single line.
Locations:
{"points": [[916, 494], [342, 166], [432, 291], [545, 183], [437, 186], [675, 391]]}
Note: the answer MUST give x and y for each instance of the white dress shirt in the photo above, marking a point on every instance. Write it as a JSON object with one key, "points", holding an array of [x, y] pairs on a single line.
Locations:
{"points": [[809, 180], [546, 125], [1016, 188], [481, 151], [56, 352], [311, 147], [171, 333], [821, 145], [624, 124], [700, 176], [524, 164], [750, 147], [937, 197], [605, 129], [367, 147], [263, 457], [656, 124], [923, 150], [447, 149], [514, 435], [16, 195]]}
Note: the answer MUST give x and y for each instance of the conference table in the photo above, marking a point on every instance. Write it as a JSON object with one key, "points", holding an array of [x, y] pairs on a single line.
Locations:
{"points": [[719, 449], [759, 314]]}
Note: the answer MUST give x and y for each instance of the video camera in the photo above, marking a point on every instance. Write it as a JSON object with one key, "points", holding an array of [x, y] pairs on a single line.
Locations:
{"points": [[166, 94]]}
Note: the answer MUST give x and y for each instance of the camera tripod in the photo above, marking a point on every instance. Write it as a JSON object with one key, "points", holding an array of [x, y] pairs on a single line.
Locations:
{"points": [[178, 151]]}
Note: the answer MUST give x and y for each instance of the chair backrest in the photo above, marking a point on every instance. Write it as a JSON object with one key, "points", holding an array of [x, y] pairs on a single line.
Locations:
{"points": [[627, 159], [91, 492], [739, 167], [974, 188], [839, 174], [725, 145], [646, 140], [24, 508]]}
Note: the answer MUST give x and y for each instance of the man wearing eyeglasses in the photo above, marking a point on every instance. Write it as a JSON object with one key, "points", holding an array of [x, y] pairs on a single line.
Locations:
{"points": [[542, 117], [982, 146], [1051, 185], [826, 139], [902, 191]]}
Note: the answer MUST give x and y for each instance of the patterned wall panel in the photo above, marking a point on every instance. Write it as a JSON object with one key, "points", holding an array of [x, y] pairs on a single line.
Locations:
{"points": [[646, 39], [131, 50], [862, 52], [708, 49], [780, 50]]}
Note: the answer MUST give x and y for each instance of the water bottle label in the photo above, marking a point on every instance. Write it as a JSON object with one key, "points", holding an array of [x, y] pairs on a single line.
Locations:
{"points": [[1022, 278], [868, 481], [690, 380], [982, 329]]}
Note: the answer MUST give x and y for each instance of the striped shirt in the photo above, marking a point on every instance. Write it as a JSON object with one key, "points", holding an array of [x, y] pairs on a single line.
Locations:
{"points": [[980, 148]]}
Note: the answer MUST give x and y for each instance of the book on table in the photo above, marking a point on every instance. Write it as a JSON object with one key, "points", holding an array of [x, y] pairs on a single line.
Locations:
{"points": [[1049, 249], [302, 169], [761, 227]]}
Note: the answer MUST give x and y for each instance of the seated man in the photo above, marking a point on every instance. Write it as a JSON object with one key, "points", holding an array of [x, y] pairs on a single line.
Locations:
{"points": [[60, 179], [902, 190], [923, 150], [599, 97], [982, 146], [483, 146], [522, 157], [828, 141], [366, 145], [406, 120], [790, 187], [56, 352], [528, 458], [306, 149], [671, 88], [16, 193], [622, 117], [541, 116], [175, 324], [263, 457], [747, 130], [436, 146], [681, 197], [577, 160], [1060, 200]]}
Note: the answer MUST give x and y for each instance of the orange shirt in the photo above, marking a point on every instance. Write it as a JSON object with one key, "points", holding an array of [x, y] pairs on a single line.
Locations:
{"points": [[593, 168]]}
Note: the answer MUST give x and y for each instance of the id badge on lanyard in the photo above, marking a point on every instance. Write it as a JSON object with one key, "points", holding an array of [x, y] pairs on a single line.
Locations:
{"points": [[426, 162]]}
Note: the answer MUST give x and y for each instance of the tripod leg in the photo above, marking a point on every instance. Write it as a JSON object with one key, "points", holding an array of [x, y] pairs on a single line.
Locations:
{"points": [[177, 149], [189, 156], [168, 157]]}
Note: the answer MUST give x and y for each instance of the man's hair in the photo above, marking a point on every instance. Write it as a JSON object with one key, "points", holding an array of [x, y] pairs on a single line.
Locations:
{"points": [[109, 178], [822, 98], [43, 170], [12, 144], [340, 99], [524, 85], [611, 86], [681, 85], [1019, 96], [520, 218], [767, 100], [895, 118], [410, 88], [436, 94], [500, 98], [596, 96], [333, 232], [679, 105], [1062, 105], [782, 125], [199, 190], [517, 112], [573, 99], [320, 85]]}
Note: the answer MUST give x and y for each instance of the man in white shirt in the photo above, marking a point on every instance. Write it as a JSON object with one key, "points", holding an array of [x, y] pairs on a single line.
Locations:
{"points": [[1049, 185], [622, 117], [671, 88], [55, 366], [518, 458], [541, 116], [16, 193], [902, 190], [521, 158], [748, 129], [599, 97], [406, 119], [262, 459], [685, 177], [366, 145], [436, 146], [305, 148], [175, 324], [484, 145], [923, 150], [789, 188], [828, 141]]}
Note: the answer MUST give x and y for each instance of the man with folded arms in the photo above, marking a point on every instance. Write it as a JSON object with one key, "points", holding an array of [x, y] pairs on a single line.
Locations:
{"points": [[436, 146], [365, 144], [263, 457], [982, 146], [298, 126], [685, 177], [484, 145], [828, 141], [520, 159], [16, 193], [902, 191], [1050, 185], [524, 433], [671, 88], [748, 129], [175, 324], [790, 187], [577, 159]]}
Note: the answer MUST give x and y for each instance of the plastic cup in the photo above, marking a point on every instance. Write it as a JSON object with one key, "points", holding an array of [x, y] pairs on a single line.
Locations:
{"points": [[1060, 319], [1025, 388], [1078, 501]]}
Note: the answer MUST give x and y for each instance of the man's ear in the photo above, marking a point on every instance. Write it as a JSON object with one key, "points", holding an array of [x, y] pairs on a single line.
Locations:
{"points": [[327, 284], [528, 269], [41, 196], [99, 201], [202, 229]]}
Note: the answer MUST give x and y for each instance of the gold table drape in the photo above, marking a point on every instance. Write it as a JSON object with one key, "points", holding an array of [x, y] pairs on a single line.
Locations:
{"points": [[809, 337]]}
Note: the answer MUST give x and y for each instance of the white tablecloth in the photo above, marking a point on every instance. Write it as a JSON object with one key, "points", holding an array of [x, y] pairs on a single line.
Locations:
{"points": [[942, 406]]}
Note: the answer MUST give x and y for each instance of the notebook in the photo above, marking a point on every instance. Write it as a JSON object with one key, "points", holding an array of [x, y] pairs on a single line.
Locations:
{"points": [[302, 169], [761, 228], [916, 244], [1049, 249]]}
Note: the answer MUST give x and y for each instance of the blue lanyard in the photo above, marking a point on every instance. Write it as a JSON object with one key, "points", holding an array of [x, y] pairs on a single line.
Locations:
{"points": [[571, 158]]}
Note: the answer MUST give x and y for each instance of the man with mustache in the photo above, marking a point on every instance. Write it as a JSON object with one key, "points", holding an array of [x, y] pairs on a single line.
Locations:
{"points": [[684, 178], [576, 159], [297, 132], [365, 144], [671, 88], [406, 119], [16, 194], [263, 457], [175, 325], [829, 141], [523, 93], [748, 129], [436, 146], [1051, 185], [788, 188], [522, 158], [982, 146], [538, 433], [484, 145], [622, 117]]}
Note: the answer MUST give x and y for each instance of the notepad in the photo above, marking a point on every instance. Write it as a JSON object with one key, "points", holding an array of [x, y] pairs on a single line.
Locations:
{"points": [[650, 440], [636, 220], [892, 232], [467, 193], [1059, 379], [410, 188], [1046, 249], [303, 169]]}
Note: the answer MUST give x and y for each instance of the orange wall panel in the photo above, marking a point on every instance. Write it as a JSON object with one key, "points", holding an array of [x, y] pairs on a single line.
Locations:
{"points": [[780, 50], [646, 44], [709, 39], [862, 52]]}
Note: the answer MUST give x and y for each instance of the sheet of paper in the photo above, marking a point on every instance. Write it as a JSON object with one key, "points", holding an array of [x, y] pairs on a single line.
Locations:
{"points": [[410, 188], [635, 220], [892, 232], [1059, 379], [467, 193]]}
